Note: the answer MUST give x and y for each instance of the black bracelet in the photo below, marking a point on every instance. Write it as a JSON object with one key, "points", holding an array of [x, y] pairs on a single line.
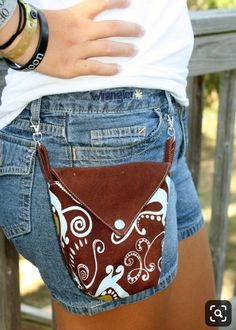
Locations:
{"points": [[40, 51], [20, 27]]}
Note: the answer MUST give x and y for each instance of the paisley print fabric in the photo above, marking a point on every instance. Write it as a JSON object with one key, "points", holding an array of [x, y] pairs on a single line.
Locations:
{"points": [[93, 252], [111, 223]]}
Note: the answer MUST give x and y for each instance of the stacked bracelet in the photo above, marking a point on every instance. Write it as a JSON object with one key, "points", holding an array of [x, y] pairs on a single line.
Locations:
{"points": [[28, 34], [40, 51], [20, 27]]}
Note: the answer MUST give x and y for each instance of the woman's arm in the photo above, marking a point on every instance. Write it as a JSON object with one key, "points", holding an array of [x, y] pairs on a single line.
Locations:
{"points": [[74, 37]]}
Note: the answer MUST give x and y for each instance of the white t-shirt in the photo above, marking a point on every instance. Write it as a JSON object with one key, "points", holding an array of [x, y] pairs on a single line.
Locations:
{"points": [[162, 61]]}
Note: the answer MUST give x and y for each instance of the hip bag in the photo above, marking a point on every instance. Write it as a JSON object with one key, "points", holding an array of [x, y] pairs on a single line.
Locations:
{"points": [[110, 220]]}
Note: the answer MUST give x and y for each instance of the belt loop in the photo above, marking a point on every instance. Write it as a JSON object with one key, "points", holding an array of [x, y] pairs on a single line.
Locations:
{"points": [[171, 109], [35, 111]]}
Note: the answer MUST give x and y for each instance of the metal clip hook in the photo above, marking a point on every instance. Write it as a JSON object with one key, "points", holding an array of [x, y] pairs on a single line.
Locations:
{"points": [[171, 130], [37, 135]]}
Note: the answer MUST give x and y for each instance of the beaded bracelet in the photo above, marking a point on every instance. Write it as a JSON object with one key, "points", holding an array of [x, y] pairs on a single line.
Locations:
{"points": [[39, 54], [28, 33]]}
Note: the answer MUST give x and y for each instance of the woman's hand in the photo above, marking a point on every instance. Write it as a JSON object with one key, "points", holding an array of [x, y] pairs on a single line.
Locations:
{"points": [[74, 37]]}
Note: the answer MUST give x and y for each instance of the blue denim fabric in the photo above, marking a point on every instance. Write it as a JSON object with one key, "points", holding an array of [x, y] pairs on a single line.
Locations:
{"points": [[103, 127]]}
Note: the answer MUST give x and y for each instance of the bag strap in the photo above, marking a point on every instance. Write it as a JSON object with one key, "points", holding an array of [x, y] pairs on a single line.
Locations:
{"points": [[44, 161], [170, 150]]}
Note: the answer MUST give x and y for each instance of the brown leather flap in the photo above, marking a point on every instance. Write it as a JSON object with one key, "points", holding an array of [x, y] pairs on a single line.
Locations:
{"points": [[115, 192]]}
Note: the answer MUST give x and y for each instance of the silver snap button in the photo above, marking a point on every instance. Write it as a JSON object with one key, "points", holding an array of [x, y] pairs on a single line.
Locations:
{"points": [[119, 224]]}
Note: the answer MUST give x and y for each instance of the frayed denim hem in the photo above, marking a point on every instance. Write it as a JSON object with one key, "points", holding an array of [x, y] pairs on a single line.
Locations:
{"points": [[187, 232]]}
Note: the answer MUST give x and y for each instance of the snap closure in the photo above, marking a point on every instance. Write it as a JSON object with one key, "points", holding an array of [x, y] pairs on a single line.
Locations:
{"points": [[119, 224]]}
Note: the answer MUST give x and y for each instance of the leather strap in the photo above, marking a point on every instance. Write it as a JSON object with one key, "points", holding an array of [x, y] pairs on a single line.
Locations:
{"points": [[43, 157], [170, 150]]}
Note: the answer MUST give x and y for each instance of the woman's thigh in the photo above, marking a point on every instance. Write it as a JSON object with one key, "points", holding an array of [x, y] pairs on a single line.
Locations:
{"points": [[193, 286], [180, 306], [149, 314]]}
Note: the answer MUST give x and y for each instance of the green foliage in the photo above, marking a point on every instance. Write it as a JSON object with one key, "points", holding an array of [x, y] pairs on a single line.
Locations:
{"points": [[211, 86], [210, 4]]}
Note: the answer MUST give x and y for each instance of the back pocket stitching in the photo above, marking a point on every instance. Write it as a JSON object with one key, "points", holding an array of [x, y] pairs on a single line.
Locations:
{"points": [[134, 133], [22, 222]]}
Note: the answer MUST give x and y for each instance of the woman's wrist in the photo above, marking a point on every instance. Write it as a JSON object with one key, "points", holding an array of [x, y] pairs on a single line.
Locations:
{"points": [[40, 50], [10, 27], [21, 48], [30, 50], [25, 35]]}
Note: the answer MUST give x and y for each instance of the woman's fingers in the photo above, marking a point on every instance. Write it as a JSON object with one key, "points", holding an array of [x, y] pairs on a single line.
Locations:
{"points": [[92, 67], [106, 29], [75, 39], [91, 8], [106, 48]]}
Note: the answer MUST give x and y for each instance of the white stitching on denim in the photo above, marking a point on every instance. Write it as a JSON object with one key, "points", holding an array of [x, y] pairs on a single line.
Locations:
{"points": [[154, 136]]}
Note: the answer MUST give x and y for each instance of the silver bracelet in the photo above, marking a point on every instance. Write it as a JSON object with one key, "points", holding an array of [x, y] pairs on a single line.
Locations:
{"points": [[7, 8]]}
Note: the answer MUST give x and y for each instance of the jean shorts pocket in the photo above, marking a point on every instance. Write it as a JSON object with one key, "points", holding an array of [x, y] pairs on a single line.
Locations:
{"points": [[117, 138], [16, 171], [127, 135]]}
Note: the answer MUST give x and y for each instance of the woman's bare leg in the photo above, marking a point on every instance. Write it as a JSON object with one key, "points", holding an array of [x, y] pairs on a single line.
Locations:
{"points": [[148, 314], [193, 286], [179, 307]]}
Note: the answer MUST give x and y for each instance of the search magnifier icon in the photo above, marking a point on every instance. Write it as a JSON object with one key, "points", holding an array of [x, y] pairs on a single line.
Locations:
{"points": [[218, 313]]}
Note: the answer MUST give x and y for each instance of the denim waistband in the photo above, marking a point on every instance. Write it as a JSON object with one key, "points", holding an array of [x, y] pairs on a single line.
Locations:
{"points": [[112, 100]]}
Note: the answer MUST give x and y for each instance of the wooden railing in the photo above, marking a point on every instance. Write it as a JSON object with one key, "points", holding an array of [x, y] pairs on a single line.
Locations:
{"points": [[214, 51]]}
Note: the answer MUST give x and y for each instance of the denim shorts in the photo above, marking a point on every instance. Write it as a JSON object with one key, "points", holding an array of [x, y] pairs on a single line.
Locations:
{"points": [[84, 129]]}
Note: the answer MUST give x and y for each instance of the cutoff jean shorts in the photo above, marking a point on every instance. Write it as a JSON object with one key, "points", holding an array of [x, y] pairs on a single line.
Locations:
{"points": [[85, 129]]}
